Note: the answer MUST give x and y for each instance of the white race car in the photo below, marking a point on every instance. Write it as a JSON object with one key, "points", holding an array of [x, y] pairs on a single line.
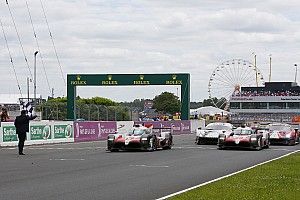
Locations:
{"points": [[210, 134]]}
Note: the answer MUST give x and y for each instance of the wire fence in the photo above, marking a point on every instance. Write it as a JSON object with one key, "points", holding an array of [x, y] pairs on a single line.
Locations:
{"points": [[88, 112]]}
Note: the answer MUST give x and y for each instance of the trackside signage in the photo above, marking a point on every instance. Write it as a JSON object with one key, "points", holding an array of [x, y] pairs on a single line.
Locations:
{"points": [[62, 131], [40, 132], [93, 131], [9, 134]]}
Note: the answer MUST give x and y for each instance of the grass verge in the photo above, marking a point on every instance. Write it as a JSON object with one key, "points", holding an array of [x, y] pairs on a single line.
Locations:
{"points": [[277, 180]]}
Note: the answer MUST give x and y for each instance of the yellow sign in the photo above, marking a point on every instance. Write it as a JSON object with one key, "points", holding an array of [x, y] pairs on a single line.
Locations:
{"points": [[109, 81], [174, 81], [141, 81], [78, 81]]}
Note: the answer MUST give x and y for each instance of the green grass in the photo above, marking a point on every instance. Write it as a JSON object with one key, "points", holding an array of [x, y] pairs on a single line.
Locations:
{"points": [[277, 180]]}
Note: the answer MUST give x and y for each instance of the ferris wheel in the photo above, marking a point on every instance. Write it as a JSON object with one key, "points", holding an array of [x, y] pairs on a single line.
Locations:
{"points": [[228, 78]]}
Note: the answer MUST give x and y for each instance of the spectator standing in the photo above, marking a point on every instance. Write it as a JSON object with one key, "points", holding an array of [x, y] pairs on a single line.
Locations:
{"points": [[22, 127], [4, 115]]}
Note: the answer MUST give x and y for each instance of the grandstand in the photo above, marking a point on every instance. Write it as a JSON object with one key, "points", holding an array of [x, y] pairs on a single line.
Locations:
{"points": [[275, 102]]}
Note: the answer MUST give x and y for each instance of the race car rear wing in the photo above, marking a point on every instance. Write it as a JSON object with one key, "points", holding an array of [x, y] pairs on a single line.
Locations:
{"points": [[163, 130]]}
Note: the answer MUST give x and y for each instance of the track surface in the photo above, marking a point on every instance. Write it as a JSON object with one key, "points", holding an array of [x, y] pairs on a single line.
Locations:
{"points": [[87, 171]]}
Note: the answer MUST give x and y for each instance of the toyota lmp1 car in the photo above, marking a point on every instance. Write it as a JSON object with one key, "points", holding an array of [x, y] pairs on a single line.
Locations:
{"points": [[141, 138], [283, 134], [245, 137], [210, 134]]}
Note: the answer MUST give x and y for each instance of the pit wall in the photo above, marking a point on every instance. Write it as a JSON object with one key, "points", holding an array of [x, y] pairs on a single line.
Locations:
{"points": [[40, 132], [47, 132]]}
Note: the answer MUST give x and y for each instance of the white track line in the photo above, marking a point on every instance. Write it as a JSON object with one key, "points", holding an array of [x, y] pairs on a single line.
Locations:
{"points": [[163, 166], [66, 159], [220, 178]]}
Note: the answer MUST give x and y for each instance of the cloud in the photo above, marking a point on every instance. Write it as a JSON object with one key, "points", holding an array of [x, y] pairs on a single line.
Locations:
{"points": [[249, 20], [116, 36]]}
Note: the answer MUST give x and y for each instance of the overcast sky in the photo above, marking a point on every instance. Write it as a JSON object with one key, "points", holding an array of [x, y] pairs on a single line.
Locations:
{"points": [[147, 36]]}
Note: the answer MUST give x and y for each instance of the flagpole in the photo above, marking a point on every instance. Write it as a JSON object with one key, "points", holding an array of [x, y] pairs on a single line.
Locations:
{"points": [[34, 79], [28, 89]]}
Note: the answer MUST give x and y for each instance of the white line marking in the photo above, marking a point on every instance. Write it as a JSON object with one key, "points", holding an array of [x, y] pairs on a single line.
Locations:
{"points": [[163, 166], [222, 177], [66, 159], [67, 148]]}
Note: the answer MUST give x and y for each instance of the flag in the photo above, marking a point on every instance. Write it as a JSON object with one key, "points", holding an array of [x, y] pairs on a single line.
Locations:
{"points": [[26, 105]]}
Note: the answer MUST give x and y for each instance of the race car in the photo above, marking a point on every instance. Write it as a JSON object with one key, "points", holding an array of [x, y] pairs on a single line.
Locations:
{"points": [[141, 138], [210, 134], [283, 134], [245, 137]]}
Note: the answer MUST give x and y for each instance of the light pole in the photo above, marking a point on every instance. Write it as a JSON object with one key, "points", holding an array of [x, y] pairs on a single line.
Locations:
{"points": [[270, 74], [296, 72], [34, 77], [255, 68]]}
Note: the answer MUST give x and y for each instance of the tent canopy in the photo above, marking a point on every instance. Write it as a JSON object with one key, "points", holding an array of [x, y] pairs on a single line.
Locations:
{"points": [[208, 110]]}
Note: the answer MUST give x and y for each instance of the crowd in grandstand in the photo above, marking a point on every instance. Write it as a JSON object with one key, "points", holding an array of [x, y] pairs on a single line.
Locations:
{"points": [[264, 117], [267, 93]]}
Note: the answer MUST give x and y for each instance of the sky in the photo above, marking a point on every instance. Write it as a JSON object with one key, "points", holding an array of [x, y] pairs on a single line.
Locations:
{"points": [[145, 36]]}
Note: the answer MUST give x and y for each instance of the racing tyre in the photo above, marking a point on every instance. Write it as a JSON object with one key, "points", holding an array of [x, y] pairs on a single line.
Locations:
{"points": [[199, 142], [292, 142], [220, 147], [267, 145], [169, 145], [153, 146], [259, 145]]}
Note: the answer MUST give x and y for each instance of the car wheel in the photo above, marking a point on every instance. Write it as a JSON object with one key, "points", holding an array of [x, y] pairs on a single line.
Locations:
{"points": [[169, 145], [200, 141], [259, 145], [152, 144], [292, 142], [267, 145], [220, 147], [114, 150]]}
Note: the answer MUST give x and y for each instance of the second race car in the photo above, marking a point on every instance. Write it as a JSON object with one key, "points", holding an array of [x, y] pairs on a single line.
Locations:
{"points": [[245, 137]]}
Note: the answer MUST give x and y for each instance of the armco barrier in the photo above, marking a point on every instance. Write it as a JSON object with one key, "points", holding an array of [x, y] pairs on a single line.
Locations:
{"points": [[40, 132]]}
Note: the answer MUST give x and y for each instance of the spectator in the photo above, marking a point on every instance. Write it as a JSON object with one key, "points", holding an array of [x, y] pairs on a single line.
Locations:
{"points": [[4, 115]]}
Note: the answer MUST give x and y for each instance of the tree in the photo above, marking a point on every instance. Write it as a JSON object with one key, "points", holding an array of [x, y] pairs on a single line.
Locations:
{"points": [[221, 103], [166, 102], [194, 105]]}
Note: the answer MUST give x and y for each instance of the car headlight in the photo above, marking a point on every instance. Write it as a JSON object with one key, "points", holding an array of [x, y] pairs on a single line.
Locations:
{"points": [[111, 138], [222, 137], [288, 135], [144, 139], [253, 139]]}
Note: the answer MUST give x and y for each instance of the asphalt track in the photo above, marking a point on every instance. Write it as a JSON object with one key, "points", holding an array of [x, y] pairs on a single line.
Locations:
{"points": [[86, 171]]}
